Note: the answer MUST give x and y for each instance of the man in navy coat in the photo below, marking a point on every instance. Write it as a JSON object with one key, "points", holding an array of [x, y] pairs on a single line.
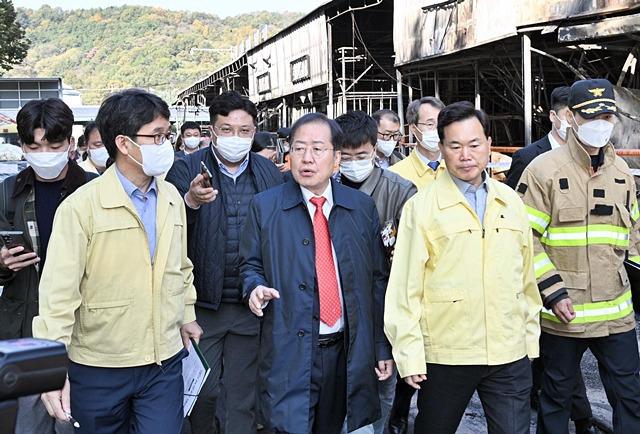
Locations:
{"points": [[556, 137], [312, 374]]}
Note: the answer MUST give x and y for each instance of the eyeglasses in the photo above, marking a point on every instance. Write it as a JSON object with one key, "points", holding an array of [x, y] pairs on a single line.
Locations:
{"points": [[346, 158], [429, 125], [158, 139], [242, 132], [316, 151], [390, 136]]}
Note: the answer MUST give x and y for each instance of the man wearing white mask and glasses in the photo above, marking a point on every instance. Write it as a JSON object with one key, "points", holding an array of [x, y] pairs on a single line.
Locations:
{"points": [[98, 155], [424, 164], [119, 290], [581, 201], [389, 134], [217, 208]]}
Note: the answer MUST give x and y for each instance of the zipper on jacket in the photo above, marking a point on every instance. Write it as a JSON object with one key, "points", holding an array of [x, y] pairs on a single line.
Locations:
{"points": [[482, 232]]}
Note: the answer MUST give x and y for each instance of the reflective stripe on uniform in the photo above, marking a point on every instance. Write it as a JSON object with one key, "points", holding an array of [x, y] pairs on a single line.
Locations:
{"points": [[597, 312], [538, 220], [542, 264], [584, 235], [635, 211], [635, 259]]}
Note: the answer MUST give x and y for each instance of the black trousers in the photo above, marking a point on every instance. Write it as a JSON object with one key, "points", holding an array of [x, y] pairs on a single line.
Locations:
{"points": [[503, 390], [580, 405], [328, 403], [618, 364]]}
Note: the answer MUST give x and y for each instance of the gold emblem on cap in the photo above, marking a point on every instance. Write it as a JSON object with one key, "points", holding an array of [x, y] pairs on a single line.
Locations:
{"points": [[597, 92]]}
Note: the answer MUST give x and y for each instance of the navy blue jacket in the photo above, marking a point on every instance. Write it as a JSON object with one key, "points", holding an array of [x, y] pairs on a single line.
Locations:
{"points": [[277, 250], [207, 226], [522, 157]]}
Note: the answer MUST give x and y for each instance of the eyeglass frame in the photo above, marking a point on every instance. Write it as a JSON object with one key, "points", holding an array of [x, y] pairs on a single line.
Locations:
{"points": [[316, 151], [358, 157], [167, 136], [395, 136]]}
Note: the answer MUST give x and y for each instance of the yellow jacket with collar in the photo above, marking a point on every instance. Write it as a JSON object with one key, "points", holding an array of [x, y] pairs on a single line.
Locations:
{"points": [[100, 293], [88, 166], [460, 293], [416, 170]]}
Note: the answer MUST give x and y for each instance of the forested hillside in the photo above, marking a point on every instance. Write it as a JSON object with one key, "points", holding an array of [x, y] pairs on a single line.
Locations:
{"points": [[96, 50]]}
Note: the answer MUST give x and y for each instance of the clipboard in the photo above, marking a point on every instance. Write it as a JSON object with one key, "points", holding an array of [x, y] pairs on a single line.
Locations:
{"points": [[633, 271], [195, 371]]}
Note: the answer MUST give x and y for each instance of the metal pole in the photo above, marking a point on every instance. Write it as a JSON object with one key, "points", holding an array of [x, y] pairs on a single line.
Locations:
{"points": [[477, 84], [330, 108], [526, 87], [399, 93]]}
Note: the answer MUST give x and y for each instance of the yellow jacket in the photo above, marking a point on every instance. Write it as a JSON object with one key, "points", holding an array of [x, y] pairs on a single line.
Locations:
{"points": [[416, 171], [584, 224], [88, 166], [461, 294], [100, 293]]}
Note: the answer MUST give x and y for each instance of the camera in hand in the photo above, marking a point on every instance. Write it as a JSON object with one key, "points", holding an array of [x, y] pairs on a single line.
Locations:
{"points": [[28, 366]]}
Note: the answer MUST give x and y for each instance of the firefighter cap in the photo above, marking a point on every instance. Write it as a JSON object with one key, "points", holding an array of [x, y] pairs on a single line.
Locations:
{"points": [[592, 97]]}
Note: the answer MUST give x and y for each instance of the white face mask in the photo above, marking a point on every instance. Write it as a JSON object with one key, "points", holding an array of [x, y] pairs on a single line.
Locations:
{"points": [[192, 142], [99, 156], [595, 133], [430, 140], [562, 131], [233, 149], [356, 171], [48, 165], [156, 159], [386, 147]]}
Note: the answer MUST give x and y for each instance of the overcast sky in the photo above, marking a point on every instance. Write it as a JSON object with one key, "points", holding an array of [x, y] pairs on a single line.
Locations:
{"points": [[222, 8]]}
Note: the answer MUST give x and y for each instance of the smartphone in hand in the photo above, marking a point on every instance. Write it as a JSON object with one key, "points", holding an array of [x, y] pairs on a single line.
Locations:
{"points": [[11, 239], [204, 170]]}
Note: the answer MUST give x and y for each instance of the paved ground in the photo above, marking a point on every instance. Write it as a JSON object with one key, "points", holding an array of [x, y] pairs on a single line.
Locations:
{"points": [[474, 422]]}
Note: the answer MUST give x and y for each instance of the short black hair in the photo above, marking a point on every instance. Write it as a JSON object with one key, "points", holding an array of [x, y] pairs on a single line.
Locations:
{"points": [[385, 113], [229, 101], [337, 137], [124, 113], [560, 98], [460, 111], [88, 130], [190, 125], [51, 114], [414, 107], [81, 142], [358, 128], [263, 140]]}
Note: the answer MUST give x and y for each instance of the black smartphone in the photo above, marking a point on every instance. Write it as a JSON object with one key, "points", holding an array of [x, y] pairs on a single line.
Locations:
{"points": [[12, 239], [204, 170]]}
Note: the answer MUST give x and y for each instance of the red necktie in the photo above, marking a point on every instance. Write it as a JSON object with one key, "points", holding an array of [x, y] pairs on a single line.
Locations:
{"points": [[330, 307]]}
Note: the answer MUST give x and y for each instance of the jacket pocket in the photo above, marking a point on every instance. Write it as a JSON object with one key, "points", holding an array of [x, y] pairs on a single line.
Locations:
{"points": [[572, 214], [12, 314], [624, 219], [106, 326], [447, 318]]}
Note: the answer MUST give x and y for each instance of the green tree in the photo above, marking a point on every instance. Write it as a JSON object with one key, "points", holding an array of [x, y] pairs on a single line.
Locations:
{"points": [[14, 44]]}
